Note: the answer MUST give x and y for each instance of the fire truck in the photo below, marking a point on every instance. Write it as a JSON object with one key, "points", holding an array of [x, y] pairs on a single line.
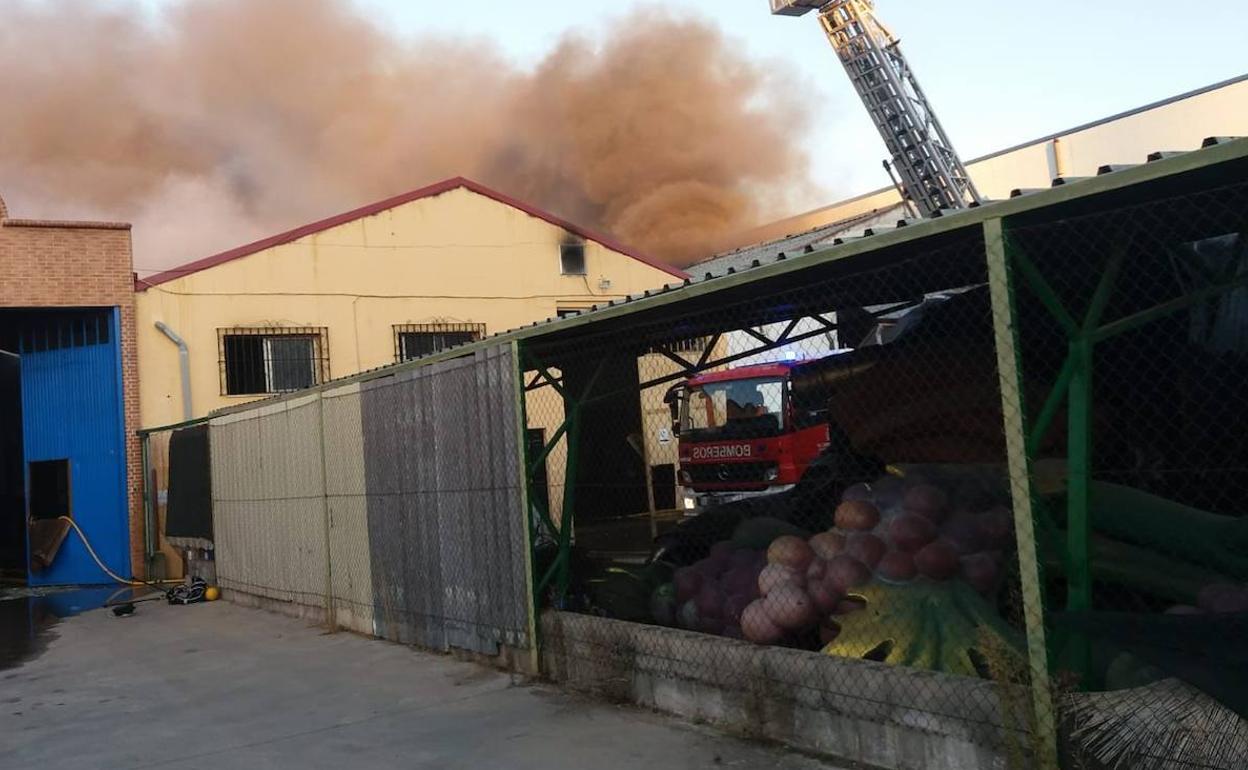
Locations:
{"points": [[757, 429], [920, 384], [740, 434]]}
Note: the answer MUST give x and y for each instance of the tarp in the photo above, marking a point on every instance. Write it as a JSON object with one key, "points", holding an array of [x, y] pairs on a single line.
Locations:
{"points": [[188, 517]]}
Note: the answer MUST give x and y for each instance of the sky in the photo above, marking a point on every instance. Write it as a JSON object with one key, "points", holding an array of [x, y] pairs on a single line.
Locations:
{"points": [[999, 72]]}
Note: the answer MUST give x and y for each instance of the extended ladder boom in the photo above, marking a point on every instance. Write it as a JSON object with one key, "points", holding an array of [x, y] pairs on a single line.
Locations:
{"points": [[932, 176]]}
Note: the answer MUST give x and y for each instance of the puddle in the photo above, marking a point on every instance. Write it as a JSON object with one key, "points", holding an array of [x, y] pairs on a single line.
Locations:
{"points": [[28, 617]]}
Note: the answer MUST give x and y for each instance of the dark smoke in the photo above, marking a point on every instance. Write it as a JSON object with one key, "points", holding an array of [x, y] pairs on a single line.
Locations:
{"points": [[223, 120]]}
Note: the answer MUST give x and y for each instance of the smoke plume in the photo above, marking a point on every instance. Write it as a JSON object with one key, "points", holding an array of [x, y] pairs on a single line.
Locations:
{"points": [[219, 121]]}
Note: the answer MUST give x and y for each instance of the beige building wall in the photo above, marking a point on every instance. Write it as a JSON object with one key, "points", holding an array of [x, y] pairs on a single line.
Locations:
{"points": [[1181, 123], [455, 257], [544, 410]]}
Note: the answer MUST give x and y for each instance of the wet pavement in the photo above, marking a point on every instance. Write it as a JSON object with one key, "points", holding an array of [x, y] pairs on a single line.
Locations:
{"points": [[211, 686], [28, 617]]}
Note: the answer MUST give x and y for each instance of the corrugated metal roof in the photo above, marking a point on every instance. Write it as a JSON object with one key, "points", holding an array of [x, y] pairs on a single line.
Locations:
{"points": [[793, 245]]}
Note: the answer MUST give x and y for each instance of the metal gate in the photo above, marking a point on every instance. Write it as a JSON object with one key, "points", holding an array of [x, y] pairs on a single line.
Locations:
{"points": [[74, 435]]}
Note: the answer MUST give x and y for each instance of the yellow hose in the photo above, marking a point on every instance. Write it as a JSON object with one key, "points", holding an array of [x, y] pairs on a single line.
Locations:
{"points": [[82, 536]]}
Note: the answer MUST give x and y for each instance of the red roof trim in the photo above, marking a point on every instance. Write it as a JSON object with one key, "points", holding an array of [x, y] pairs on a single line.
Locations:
{"points": [[389, 203]]}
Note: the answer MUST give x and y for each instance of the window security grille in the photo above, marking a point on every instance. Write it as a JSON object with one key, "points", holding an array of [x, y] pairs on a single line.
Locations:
{"points": [[416, 340], [256, 361]]}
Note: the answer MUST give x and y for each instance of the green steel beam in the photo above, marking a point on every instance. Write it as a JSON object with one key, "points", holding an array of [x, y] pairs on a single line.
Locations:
{"points": [[1009, 368], [548, 447], [1104, 288], [179, 425], [1044, 291], [560, 569], [1057, 397], [550, 379], [705, 363], [1143, 317]]}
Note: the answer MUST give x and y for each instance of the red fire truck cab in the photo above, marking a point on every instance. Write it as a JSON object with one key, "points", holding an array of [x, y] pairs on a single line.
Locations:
{"points": [[741, 435]]}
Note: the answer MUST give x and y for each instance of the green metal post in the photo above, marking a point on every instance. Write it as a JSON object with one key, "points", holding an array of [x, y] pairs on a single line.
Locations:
{"points": [[526, 498], [1079, 473], [1010, 372], [561, 570], [149, 525]]}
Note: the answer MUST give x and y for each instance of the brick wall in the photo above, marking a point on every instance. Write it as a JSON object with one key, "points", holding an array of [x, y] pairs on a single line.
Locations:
{"points": [[81, 264]]}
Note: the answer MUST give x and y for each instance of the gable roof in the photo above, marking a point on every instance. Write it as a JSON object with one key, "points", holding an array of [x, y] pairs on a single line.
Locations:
{"points": [[389, 203]]}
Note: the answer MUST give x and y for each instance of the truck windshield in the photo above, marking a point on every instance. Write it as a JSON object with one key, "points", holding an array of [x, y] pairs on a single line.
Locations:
{"points": [[751, 408]]}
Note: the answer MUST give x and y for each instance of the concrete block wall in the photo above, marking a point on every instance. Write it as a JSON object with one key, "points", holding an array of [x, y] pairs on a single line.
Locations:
{"points": [[863, 712], [47, 263]]}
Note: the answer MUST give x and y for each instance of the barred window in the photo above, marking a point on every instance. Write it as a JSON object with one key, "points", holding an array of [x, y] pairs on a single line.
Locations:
{"points": [[256, 361], [686, 345], [416, 340]]}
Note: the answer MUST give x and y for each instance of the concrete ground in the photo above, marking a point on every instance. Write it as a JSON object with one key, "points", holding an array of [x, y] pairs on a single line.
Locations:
{"points": [[216, 685]]}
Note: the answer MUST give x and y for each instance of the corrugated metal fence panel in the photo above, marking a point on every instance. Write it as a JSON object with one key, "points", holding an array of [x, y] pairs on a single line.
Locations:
{"points": [[71, 410], [269, 502], [446, 521], [350, 566]]}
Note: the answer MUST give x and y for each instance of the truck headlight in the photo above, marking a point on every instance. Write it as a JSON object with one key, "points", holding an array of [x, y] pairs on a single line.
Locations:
{"points": [[686, 477], [771, 474], [690, 504]]}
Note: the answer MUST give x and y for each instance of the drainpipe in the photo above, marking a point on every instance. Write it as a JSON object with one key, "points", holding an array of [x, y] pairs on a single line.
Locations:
{"points": [[1058, 160], [184, 360]]}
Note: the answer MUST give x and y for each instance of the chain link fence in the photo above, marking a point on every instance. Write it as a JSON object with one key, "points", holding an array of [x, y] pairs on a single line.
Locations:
{"points": [[987, 485], [815, 463], [1134, 321], [391, 507]]}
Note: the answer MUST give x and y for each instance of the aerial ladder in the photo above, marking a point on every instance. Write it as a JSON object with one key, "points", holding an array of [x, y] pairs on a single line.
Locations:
{"points": [[926, 170]]}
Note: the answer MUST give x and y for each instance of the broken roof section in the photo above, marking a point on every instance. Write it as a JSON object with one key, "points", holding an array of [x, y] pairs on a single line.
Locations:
{"points": [[799, 243], [389, 203]]}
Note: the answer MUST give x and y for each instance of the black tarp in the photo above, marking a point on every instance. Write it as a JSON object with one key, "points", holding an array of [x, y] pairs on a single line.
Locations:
{"points": [[189, 511]]}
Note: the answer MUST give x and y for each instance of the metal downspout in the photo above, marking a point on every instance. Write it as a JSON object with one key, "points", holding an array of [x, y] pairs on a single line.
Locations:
{"points": [[184, 361]]}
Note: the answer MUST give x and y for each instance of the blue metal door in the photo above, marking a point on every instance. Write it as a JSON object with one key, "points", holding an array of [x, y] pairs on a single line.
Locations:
{"points": [[72, 409]]}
